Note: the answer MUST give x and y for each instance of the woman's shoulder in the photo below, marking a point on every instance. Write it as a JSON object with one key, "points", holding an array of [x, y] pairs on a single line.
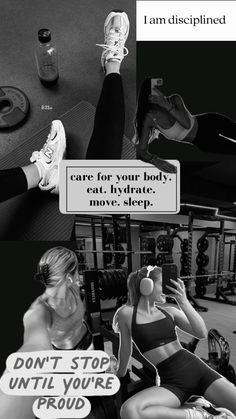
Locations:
{"points": [[125, 310], [122, 318], [124, 313], [38, 309], [171, 310]]}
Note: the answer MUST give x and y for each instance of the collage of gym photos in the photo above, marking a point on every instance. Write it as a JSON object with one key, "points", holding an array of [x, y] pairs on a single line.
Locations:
{"points": [[118, 209]]}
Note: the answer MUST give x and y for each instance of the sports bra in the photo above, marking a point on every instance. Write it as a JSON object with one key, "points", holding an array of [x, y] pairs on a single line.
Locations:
{"points": [[151, 335], [177, 131]]}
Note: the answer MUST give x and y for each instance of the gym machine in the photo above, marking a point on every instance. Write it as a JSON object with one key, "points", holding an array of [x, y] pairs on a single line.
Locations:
{"points": [[222, 281]]}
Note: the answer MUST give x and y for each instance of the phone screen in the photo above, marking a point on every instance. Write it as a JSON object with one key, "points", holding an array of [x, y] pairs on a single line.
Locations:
{"points": [[169, 271], [155, 83]]}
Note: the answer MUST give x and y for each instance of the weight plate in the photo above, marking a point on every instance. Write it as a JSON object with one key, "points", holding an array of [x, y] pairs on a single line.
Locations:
{"points": [[202, 260], [144, 244], [202, 244], [160, 259], [164, 243], [14, 106]]}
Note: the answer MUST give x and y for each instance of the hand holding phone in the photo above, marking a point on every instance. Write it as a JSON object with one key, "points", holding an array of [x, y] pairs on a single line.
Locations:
{"points": [[172, 285], [157, 97], [169, 272]]}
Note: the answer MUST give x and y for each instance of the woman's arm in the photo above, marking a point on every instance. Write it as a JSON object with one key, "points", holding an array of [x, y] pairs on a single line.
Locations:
{"points": [[125, 347], [187, 318], [142, 149], [36, 338], [174, 105], [179, 111]]}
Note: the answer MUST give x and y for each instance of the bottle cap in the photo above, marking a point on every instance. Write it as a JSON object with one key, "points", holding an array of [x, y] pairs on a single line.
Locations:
{"points": [[44, 35]]}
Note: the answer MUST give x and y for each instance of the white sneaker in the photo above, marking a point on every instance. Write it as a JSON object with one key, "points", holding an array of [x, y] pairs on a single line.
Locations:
{"points": [[207, 409], [228, 413], [48, 158], [214, 413], [116, 31]]}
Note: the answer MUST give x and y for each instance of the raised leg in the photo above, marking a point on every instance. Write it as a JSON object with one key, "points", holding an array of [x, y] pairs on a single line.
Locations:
{"points": [[222, 393], [153, 403], [107, 137]]}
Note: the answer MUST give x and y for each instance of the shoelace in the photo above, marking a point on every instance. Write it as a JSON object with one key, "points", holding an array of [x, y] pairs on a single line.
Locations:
{"points": [[37, 154], [114, 43]]}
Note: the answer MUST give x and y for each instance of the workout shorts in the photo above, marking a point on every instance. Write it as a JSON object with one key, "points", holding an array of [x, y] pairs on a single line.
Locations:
{"points": [[184, 374]]}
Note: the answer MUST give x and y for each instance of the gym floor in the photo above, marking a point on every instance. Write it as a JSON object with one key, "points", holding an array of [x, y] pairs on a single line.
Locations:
{"points": [[76, 26]]}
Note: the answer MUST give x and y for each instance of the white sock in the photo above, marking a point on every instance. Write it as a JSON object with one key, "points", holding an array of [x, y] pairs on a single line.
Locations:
{"points": [[39, 169]]}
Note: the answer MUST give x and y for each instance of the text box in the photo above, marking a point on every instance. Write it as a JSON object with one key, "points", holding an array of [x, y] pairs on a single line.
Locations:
{"points": [[186, 20], [117, 186]]}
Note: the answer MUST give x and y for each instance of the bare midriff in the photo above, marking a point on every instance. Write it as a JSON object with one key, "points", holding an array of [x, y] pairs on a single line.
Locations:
{"points": [[160, 354]]}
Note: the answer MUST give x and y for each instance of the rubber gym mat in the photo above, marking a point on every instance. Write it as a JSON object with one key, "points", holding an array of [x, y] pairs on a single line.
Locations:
{"points": [[35, 215]]}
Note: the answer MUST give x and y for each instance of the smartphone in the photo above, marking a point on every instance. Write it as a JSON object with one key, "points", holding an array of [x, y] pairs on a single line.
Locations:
{"points": [[169, 271], [155, 83]]}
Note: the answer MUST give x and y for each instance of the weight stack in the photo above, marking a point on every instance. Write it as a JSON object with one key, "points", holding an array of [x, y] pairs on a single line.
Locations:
{"points": [[202, 261]]}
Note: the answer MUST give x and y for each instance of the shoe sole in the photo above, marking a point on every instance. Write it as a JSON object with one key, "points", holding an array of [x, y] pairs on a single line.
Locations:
{"points": [[110, 16], [61, 153], [122, 14], [55, 190], [61, 132]]}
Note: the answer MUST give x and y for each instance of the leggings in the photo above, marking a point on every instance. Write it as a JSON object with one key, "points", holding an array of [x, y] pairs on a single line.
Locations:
{"points": [[105, 143], [216, 133]]}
